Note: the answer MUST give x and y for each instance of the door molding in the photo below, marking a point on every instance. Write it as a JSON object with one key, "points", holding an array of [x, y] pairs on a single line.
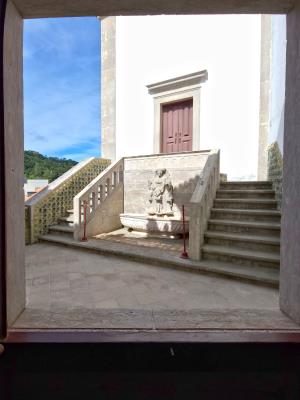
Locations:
{"points": [[173, 90]]}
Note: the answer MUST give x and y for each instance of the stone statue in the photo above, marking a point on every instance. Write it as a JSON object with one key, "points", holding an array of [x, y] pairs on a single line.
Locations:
{"points": [[161, 193]]}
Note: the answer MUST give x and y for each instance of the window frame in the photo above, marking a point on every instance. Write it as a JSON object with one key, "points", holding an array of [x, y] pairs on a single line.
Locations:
{"points": [[75, 8]]}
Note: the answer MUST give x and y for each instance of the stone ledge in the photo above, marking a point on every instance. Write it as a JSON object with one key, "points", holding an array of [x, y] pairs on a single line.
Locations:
{"points": [[152, 320]]}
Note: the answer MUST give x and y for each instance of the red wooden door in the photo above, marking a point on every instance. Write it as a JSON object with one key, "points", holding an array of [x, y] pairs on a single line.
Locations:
{"points": [[177, 127]]}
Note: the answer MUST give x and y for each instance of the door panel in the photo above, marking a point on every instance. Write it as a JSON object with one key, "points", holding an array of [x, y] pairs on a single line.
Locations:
{"points": [[177, 127], [187, 129], [169, 127]]}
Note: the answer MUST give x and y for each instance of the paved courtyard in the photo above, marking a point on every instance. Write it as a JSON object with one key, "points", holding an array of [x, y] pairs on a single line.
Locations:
{"points": [[123, 236], [73, 288]]}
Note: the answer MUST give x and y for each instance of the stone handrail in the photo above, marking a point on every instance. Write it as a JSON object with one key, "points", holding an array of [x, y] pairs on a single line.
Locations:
{"points": [[46, 207], [95, 194], [201, 203]]}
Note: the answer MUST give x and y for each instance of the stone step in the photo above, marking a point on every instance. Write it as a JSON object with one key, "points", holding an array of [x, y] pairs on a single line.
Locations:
{"points": [[63, 230], [247, 204], [256, 275], [244, 185], [246, 215], [243, 241], [67, 221], [241, 257], [254, 228], [245, 194]]}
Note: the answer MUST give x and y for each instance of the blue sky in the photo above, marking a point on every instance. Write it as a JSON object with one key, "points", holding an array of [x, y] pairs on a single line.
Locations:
{"points": [[62, 87]]}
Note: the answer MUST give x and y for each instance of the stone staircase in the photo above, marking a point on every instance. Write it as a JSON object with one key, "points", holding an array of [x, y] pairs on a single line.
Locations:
{"points": [[242, 240], [65, 227], [243, 233]]}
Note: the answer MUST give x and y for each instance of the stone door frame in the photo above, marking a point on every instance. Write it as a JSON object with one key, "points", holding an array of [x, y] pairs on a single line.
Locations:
{"points": [[173, 90]]}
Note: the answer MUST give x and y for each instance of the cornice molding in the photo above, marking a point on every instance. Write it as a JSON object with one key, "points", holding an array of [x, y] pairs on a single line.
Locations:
{"points": [[180, 82]]}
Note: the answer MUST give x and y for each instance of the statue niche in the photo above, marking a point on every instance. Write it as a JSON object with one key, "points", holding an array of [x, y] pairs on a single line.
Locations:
{"points": [[161, 193]]}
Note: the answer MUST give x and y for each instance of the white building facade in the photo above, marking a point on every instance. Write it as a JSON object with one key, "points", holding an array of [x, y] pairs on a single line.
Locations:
{"points": [[152, 61]]}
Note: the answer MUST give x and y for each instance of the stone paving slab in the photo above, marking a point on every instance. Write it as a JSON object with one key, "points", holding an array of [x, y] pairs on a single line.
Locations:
{"points": [[82, 318], [136, 238], [222, 319], [69, 288], [171, 259]]}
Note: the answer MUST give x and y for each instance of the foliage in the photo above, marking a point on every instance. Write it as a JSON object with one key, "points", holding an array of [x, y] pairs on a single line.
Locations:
{"points": [[37, 166]]}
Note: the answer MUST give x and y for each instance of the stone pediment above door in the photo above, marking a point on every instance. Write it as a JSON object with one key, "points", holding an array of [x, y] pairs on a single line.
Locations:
{"points": [[177, 84]]}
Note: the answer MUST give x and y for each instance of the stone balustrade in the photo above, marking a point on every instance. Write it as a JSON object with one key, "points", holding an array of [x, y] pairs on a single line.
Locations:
{"points": [[275, 168], [94, 189], [202, 202], [100, 215], [50, 204]]}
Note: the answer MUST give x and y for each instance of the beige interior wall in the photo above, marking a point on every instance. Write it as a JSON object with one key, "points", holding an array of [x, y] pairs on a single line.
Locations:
{"points": [[14, 161], [290, 223]]}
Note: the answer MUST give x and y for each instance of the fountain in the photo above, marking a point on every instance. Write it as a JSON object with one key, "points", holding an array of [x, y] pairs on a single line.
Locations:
{"points": [[159, 217]]}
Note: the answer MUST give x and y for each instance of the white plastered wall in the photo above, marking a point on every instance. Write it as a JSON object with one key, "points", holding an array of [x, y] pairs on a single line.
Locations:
{"points": [[152, 49]]}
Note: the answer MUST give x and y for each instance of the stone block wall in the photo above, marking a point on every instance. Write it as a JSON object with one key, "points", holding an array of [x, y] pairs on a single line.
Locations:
{"points": [[184, 168], [275, 170]]}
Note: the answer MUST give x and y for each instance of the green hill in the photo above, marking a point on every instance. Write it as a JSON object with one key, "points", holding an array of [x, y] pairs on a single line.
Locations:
{"points": [[38, 166]]}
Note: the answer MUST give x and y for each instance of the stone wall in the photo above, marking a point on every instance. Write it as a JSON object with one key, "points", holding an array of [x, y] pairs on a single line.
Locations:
{"points": [[27, 225], [108, 88], [275, 170], [290, 220], [107, 217], [14, 162], [185, 170], [264, 106]]}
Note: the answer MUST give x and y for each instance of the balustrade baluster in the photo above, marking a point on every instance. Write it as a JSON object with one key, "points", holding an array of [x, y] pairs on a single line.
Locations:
{"points": [[121, 175], [81, 211], [107, 185], [88, 208], [102, 194], [115, 177], [98, 195], [93, 201]]}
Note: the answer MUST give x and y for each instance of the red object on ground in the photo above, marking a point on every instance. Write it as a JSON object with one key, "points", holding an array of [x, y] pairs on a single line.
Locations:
{"points": [[184, 254], [84, 238]]}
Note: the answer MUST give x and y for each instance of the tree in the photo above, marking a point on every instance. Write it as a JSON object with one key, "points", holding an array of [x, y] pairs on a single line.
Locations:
{"points": [[37, 166]]}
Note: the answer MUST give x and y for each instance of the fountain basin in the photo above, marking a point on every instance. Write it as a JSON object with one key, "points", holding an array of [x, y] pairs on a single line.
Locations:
{"points": [[154, 224]]}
